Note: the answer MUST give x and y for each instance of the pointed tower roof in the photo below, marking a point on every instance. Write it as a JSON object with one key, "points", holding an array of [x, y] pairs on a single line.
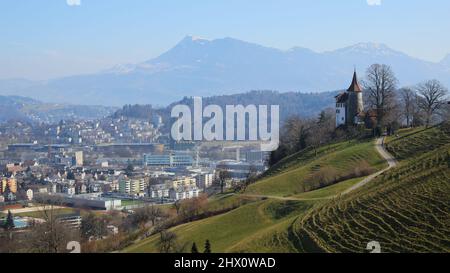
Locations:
{"points": [[355, 87]]}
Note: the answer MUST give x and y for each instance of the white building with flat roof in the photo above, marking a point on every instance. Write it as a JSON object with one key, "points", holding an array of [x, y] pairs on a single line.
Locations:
{"points": [[182, 193], [159, 191], [169, 160]]}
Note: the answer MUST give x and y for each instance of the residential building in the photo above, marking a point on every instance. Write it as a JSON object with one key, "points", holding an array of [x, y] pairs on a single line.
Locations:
{"points": [[14, 167], [205, 180], [78, 158], [11, 182], [29, 194], [131, 186], [43, 188], [70, 220], [157, 120], [159, 191], [70, 190], [184, 181], [181, 193]]}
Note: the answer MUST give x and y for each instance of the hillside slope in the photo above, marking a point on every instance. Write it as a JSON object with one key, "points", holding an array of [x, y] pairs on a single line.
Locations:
{"points": [[405, 210], [306, 171], [25, 109], [227, 232], [264, 226]]}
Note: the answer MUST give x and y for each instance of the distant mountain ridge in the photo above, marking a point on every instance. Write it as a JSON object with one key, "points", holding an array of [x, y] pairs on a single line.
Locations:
{"points": [[306, 105], [201, 67], [19, 108], [291, 103], [446, 62]]}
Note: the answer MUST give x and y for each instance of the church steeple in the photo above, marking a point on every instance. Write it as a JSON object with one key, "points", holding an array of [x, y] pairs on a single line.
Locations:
{"points": [[354, 87]]}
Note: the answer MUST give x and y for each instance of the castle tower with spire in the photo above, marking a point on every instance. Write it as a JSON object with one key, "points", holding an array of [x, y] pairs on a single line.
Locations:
{"points": [[349, 104]]}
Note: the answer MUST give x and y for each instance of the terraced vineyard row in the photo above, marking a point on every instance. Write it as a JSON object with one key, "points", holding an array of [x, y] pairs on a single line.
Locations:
{"points": [[405, 210], [420, 142]]}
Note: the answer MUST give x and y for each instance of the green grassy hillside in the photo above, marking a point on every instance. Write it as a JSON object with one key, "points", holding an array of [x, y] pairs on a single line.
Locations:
{"points": [[228, 232], [264, 226], [406, 209], [304, 172]]}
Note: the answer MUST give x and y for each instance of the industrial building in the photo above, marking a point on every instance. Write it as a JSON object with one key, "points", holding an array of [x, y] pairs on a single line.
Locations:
{"points": [[92, 201], [169, 160]]}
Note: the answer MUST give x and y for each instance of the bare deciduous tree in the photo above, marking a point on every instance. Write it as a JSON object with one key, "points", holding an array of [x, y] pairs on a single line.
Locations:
{"points": [[192, 207], [146, 214], [52, 235], [8, 242], [155, 213], [445, 111], [93, 226], [224, 175], [167, 241], [251, 176], [177, 206], [432, 95], [319, 132], [380, 84], [409, 104], [294, 134]]}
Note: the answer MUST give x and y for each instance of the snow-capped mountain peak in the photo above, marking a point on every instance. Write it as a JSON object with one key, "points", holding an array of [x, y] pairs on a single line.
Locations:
{"points": [[198, 38], [194, 39], [374, 49]]}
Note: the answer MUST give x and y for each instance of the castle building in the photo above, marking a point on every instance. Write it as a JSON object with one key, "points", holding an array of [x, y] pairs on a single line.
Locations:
{"points": [[349, 105]]}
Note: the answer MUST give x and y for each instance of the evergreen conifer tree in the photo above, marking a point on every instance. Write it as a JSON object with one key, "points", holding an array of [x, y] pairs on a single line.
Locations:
{"points": [[207, 247], [194, 248]]}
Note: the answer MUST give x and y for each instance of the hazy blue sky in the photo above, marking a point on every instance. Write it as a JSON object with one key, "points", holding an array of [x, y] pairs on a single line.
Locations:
{"points": [[42, 39]]}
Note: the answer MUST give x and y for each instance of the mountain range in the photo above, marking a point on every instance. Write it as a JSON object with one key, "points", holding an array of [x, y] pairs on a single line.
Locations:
{"points": [[200, 67]]}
